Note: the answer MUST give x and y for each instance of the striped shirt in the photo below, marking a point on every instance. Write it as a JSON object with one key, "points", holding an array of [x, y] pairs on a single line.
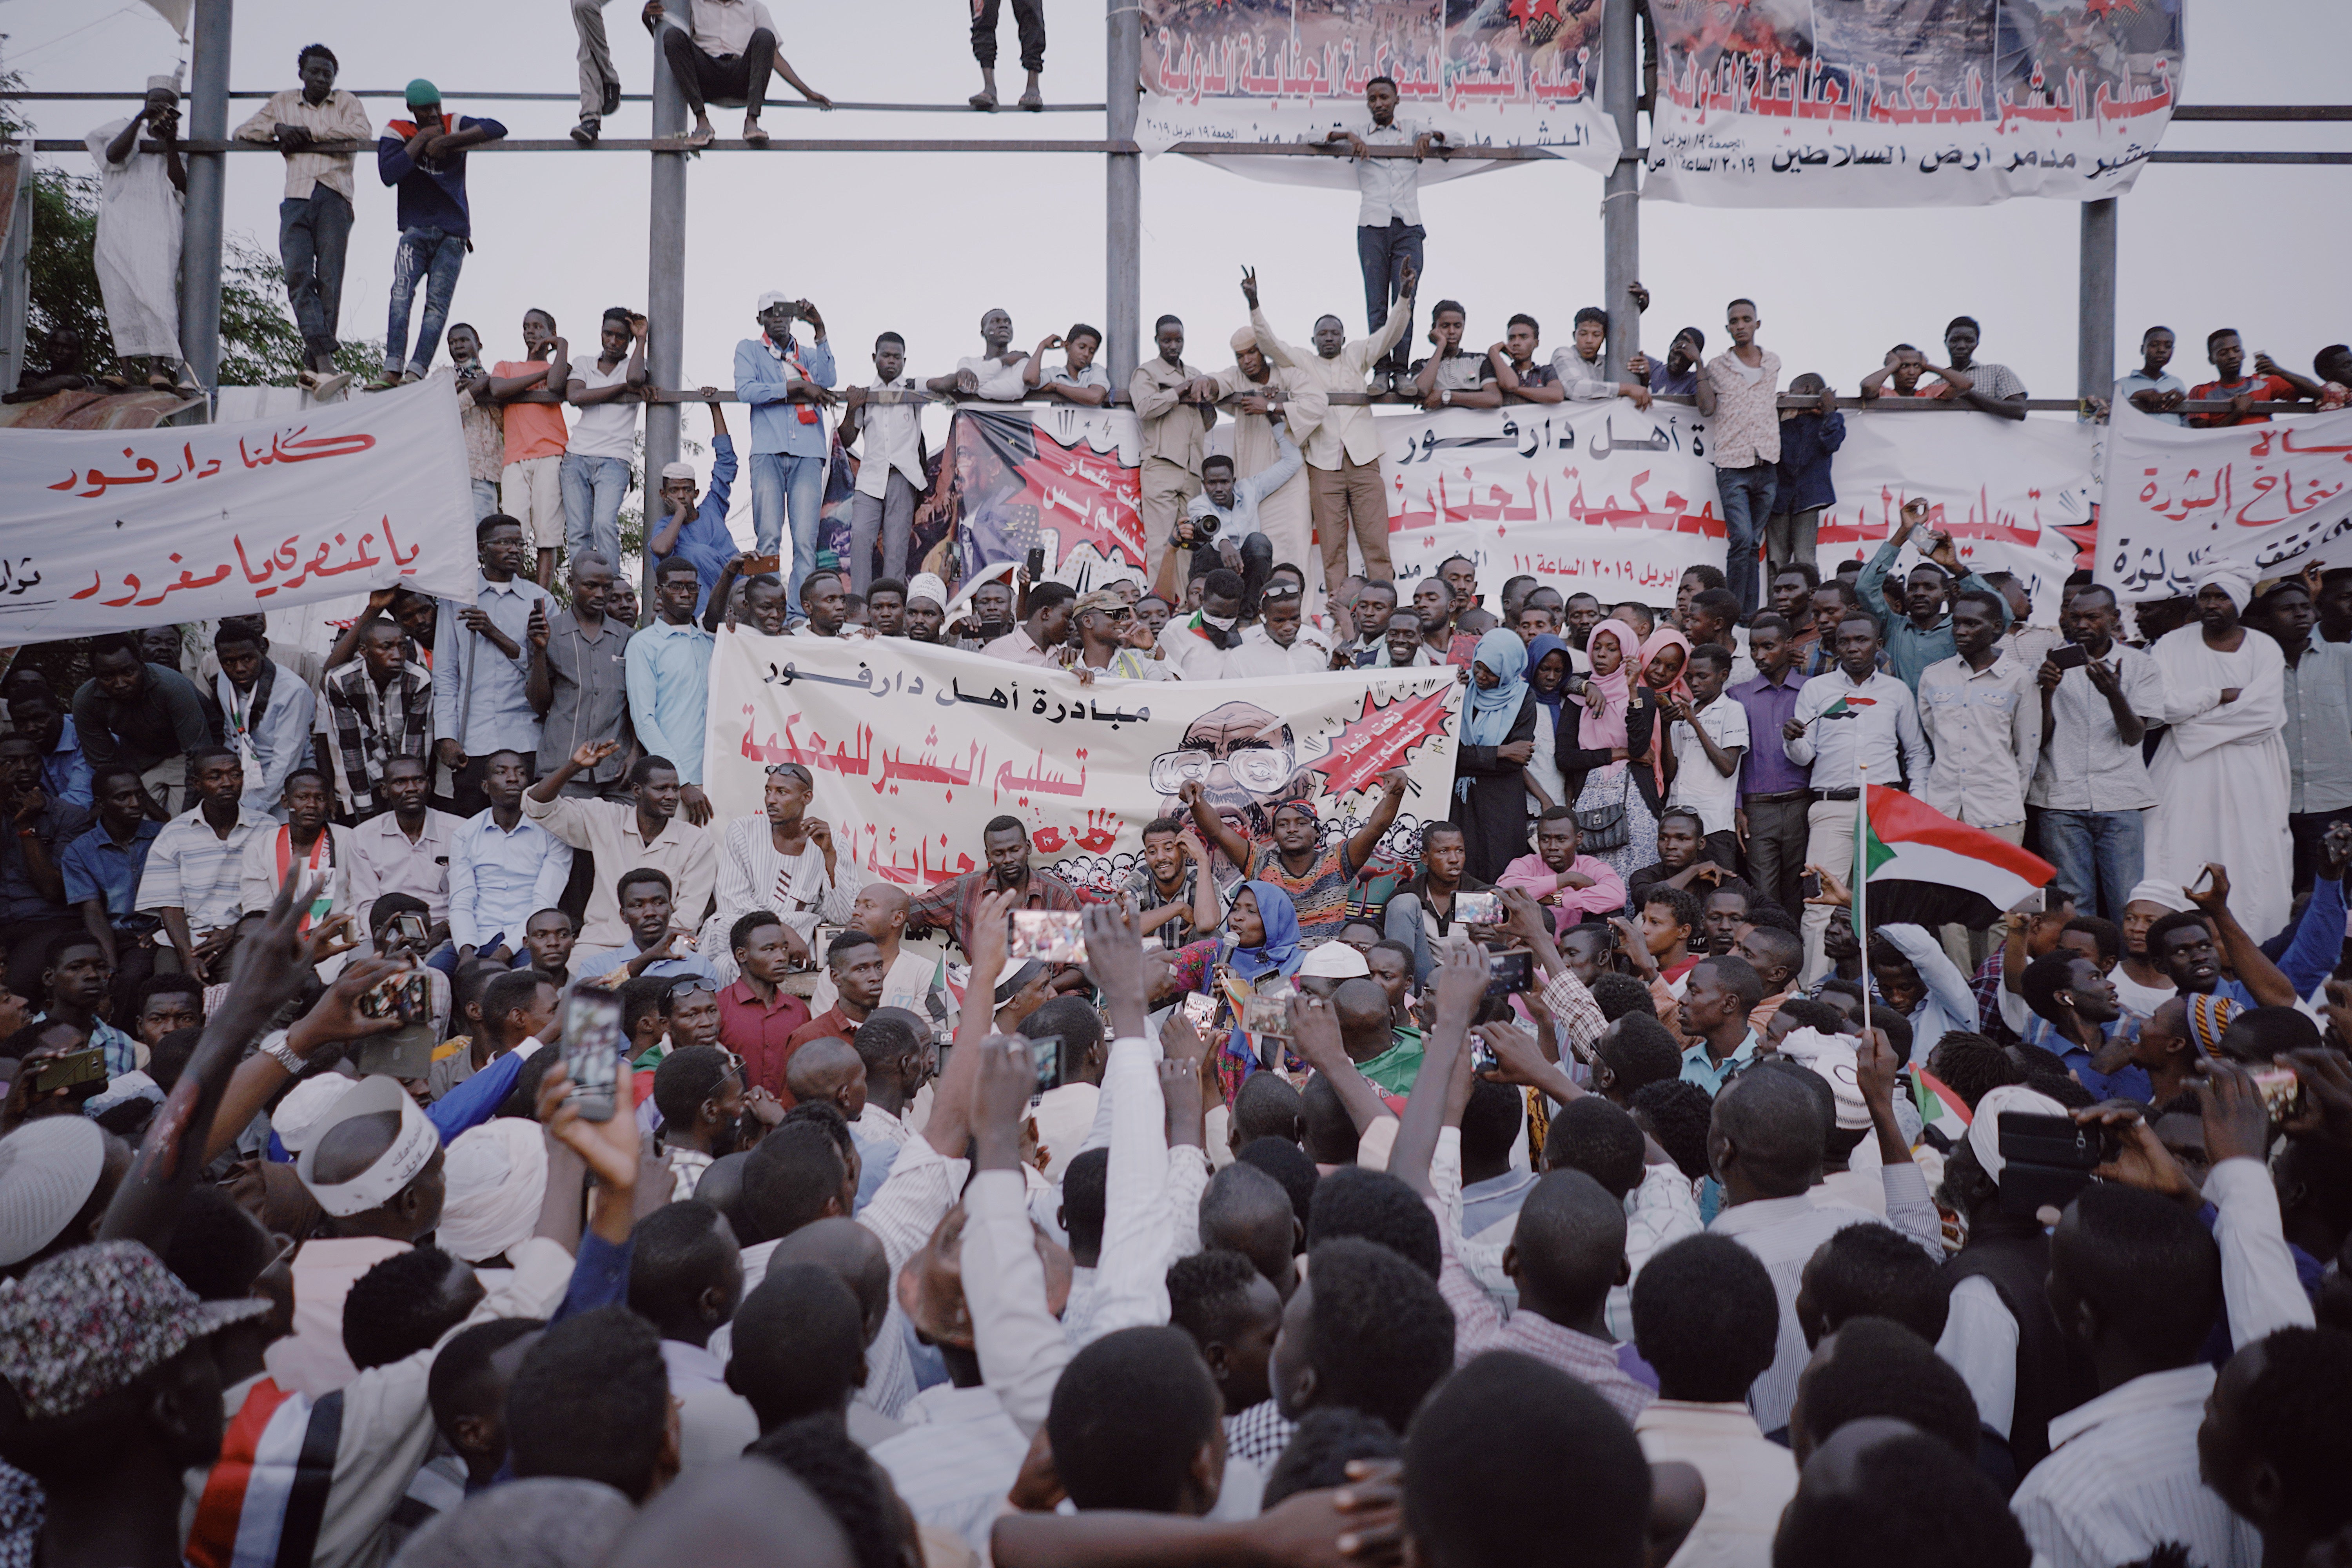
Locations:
{"points": [[192, 868], [954, 1470], [2122, 1477], [366, 724], [1784, 1233], [1320, 894]]}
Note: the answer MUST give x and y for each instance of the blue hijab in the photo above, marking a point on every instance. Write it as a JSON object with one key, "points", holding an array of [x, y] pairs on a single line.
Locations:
{"points": [[1538, 650], [1280, 954], [1488, 716]]}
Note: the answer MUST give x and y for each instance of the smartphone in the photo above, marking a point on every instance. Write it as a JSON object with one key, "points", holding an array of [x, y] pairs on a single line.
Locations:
{"points": [[2069, 656], [1810, 884], [404, 996], [1049, 936], [1506, 972], [2204, 880], [2281, 1091], [2046, 1160], [2033, 903], [408, 929], [1046, 1055], [761, 564], [1267, 1016], [1198, 1008], [71, 1070], [1036, 564], [1478, 909], [591, 1049]]}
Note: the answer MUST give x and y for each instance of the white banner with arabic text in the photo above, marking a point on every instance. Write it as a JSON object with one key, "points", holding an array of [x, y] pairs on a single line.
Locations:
{"points": [[915, 748], [2268, 500], [1600, 497], [110, 531]]}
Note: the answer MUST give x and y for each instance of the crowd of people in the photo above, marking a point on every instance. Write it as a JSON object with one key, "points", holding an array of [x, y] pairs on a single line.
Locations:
{"points": [[1338, 1201]]}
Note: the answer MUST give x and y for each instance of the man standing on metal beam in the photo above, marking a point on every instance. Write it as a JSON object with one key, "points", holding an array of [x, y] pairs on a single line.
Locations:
{"points": [[314, 220], [1388, 223], [141, 197]]}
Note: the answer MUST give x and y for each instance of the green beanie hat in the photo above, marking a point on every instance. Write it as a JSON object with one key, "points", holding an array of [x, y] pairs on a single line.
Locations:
{"points": [[422, 92]]}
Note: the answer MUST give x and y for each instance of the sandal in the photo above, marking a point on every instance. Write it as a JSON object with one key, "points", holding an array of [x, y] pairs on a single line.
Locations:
{"points": [[1033, 101], [983, 100], [754, 133], [702, 138]]}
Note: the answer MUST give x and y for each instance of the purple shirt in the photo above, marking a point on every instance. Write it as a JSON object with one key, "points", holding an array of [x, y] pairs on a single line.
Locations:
{"points": [[1766, 768]]}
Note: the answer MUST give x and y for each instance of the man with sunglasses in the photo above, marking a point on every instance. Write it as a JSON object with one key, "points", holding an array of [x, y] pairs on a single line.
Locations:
{"points": [[1104, 620]]}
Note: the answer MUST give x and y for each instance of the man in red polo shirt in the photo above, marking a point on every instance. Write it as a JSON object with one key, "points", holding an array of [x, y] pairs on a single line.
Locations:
{"points": [[757, 1018], [854, 962]]}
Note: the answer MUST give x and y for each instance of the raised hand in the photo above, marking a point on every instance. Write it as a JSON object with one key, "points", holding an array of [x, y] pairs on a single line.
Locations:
{"points": [[594, 752], [1249, 286]]}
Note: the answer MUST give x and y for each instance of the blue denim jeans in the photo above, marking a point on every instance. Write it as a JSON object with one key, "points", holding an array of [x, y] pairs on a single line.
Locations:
{"points": [[1746, 495], [780, 482], [313, 237], [486, 497], [1382, 253], [2099, 856], [430, 256], [593, 489]]}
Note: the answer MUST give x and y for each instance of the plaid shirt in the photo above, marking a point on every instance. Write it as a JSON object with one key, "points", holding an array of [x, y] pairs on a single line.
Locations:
{"points": [[367, 726], [955, 901], [1259, 1434], [1986, 986]]}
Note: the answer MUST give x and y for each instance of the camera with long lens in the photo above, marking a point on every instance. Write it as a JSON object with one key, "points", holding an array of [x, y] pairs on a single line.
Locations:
{"points": [[1206, 525]]}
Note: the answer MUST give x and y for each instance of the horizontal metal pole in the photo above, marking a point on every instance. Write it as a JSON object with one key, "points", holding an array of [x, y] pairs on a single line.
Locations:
{"points": [[401, 94], [2210, 112], [1889, 405], [2250, 157]]}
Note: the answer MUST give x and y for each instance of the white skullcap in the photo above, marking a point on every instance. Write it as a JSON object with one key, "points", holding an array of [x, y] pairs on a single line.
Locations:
{"points": [[48, 1168], [1244, 338], [676, 471], [2008, 1100], [2156, 890], [1833, 1058], [774, 297], [305, 1108], [412, 1148], [170, 84], [2239, 585], [497, 1174], [1333, 960], [926, 585]]}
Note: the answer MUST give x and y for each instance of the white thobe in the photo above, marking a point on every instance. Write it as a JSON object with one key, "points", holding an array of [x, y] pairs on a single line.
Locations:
{"points": [[138, 248], [2221, 776]]}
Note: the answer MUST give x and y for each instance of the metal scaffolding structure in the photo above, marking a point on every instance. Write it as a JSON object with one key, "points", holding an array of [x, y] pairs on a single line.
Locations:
{"points": [[207, 148]]}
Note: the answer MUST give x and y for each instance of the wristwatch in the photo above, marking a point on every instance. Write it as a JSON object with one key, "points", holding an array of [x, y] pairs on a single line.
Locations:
{"points": [[276, 1051], [1446, 397]]}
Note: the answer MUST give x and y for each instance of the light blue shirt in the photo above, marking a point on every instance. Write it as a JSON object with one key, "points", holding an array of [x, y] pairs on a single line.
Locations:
{"points": [[1241, 518], [479, 698], [588, 962], [281, 741], [762, 380], [498, 880], [1710, 1075], [65, 772], [670, 693], [121, 1051]]}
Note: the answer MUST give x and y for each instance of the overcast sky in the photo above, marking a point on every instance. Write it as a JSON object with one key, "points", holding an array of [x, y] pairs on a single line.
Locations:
{"points": [[922, 245]]}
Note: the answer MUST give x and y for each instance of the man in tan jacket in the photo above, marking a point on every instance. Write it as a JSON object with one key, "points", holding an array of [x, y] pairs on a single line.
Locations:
{"points": [[1263, 401], [1175, 405], [1343, 454]]}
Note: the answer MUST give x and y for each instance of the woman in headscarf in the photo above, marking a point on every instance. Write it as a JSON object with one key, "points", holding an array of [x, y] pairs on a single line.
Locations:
{"points": [[1490, 781], [1548, 671], [1262, 930], [2221, 772], [1665, 655], [1607, 758]]}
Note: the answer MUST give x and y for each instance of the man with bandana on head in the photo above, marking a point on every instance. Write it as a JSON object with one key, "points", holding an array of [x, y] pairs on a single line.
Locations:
{"points": [[2221, 773]]}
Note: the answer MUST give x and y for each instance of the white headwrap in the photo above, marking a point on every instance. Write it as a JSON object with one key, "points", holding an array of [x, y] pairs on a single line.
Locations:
{"points": [[1833, 1057], [412, 1148], [497, 1174], [2239, 585], [2156, 890], [1984, 1127], [305, 1108], [926, 585]]}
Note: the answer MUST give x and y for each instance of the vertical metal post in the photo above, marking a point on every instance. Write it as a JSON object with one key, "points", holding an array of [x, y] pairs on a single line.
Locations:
{"points": [[2094, 330], [1620, 216], [1123, 192], [16, 293], [665, 288], [200, 242]]}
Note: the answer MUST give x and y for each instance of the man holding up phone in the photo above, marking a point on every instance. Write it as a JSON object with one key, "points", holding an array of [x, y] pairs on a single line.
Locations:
{"points": [[2098, 697]]}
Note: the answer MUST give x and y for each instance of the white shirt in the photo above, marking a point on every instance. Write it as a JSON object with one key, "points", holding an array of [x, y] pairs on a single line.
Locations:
{"points": [[890, 438], [953, 1469], [2122, 1477], [604, 429], [1784, 1233], [1713, 795], [1391, 187], [281, 741], [724, 27], [1749, 1479], [999, 382], [1259, 654]]}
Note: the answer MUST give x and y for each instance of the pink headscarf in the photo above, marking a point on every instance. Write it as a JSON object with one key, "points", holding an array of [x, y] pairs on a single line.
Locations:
{"points": [[1607, 728], [1660, 640]]}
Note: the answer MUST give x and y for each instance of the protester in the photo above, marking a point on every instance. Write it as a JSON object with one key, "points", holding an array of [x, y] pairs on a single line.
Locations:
{"points": [[1389, 232], [529, 394], [375, 708], [426, 159], [788, 387], [136, 244], [1737, 392], [891, 470], [314, 219], [481, 701], [594, 473], [1801, 487], [725, 59], [2090, 780]]}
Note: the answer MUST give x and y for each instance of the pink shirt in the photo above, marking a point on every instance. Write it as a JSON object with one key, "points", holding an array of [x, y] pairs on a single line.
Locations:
{"points": [[1533, 877]]}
